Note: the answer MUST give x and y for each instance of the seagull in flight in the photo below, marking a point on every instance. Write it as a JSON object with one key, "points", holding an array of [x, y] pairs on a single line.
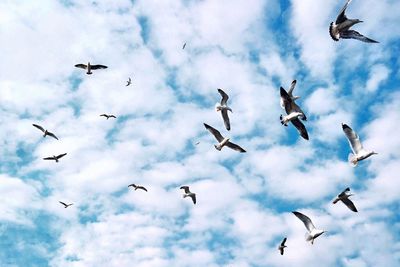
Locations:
{"points": [[128, 82], [223, 107], [359, 152], [282, 246], [90, 67], [188, 193], [344, 197], [45, 132], [66, 205], [56, 158], [313, 232], [341, 28], [223, 141], [138, 187], [184, 45], [108, 116], [294, 113]]}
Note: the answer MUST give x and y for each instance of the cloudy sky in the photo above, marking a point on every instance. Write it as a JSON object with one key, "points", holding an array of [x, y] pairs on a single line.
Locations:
{"points": [[247, 47]]}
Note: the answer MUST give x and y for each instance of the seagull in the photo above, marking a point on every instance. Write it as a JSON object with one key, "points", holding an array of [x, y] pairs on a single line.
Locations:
{"points": [[223, 141], [184, 45], [313, 233], [282, 245], [290, 93], [90, 67], [341, 28], [45, 131], [188, 193], [197, 143], [294, 113], [137, 187], [223, 107], [128, 82], [66, 205], [56, 158], [108, 116], [345, 199], [359, 152]]}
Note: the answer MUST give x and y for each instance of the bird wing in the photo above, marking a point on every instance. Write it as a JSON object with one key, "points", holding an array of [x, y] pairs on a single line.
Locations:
{"points": [[214, 132], [142, 187], [292, 85], [133, 185], [342, 16], [52, 135], [289, 105], [63, 203], [352, 34], [300, 128], [193, 196], [353, 138], [225, 97], [283, 241], [349, 204], [225, 116], [95, 67], [235, 147], [39, 127], [61, 155], [104, 115], [82, 66], [49, 158], [344, 192], [112, 116], [307, 222], [186, 188], [281, 250]]}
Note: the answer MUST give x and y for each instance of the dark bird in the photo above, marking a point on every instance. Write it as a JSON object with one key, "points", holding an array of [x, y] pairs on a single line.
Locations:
{"points": [[128, 82], [66, 205], [282, 246], [223, 107], [137, 187], [223, 141], [108, 116], [45, 132], [341, 28], [344, 197], [188, 193], [56, 158], [90, 67], [184, 45]]}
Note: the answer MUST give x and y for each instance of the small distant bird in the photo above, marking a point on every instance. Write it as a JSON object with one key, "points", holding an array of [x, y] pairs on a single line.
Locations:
{"points": [[66, 205], [294, 113], [108, 116], [359, 152], [188, 193], [128, 82], [90, 67], [137, 187], [197, 143], [341, 28], [56, 158], [313, 233], [223, 107], [46, 133], [184, 45], [222, 141], [344, 197], [282, 246]]}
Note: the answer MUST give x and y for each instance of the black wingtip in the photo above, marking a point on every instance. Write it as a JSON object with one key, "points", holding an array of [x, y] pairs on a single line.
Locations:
{"points": [[345, 126]]}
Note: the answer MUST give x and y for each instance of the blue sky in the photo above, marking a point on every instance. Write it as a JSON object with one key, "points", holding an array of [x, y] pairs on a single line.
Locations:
{"points": [[247, 47]]}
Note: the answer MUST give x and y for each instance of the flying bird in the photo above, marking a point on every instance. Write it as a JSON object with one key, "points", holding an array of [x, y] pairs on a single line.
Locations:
{"points": [[294, 113], [188, 193], [56, 158], [45, 132], [341, 28], [66, 205], [359, 152], [128, 82], [223, 141], [90, 67], [184, 45], [223, 107], [108, 116], [313, 233], [282, 246], [344, 197], [138, 187]]}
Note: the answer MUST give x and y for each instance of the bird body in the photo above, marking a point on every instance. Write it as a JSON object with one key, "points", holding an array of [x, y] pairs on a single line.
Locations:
{"points": [[89, 67], [344, 197], [313, 232], [188, 193], [222, 141]]}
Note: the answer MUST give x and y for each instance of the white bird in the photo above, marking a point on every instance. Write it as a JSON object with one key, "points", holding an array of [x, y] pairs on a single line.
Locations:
{"points": [[56, 158], [108, 116], [138, 187], [45, 132], [344, 197], [313, 232], [290, 93], [222, 141], [223, 107], [359, 152], [128, 82], [188, 193], [341, 28], [282, 246], [90, 67], [66, 205]]}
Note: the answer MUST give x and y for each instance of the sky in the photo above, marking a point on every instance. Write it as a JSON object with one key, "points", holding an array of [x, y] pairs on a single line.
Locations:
{"points": [[244, 200]]}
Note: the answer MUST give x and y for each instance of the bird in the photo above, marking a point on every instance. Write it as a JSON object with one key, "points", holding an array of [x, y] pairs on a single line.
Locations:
{"points": [[294, 113], [282, 246], [90, 67], [184, 45], [223, 141], [341, 28], [66, 205], [45, 132], [128, 82], [138, 187], [198, 142], [56, 158], [359, 152], [313, 232], [188, 193], [108, 116], [223, 107], [344, 197]]}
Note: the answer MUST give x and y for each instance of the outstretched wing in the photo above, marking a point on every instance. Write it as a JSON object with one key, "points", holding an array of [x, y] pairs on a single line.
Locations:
{"points": [[61, 155], [193, 198], [133, 185], [49, 158], [82, 66], [225, 117], [214, 132], [235, 147], [349, 204], [142, 187], [112, 116], [307, 221], [225, 97], [342, 16], [186, 188], [63, 203], [292, 85], [353, 139], [96, 67], [52, 135], [283, 241], [300, 128], [39, 127], [352, 34]]}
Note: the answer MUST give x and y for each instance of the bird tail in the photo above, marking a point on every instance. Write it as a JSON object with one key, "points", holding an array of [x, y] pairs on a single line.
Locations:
{"points": [[218, 147], [352, 160]]}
